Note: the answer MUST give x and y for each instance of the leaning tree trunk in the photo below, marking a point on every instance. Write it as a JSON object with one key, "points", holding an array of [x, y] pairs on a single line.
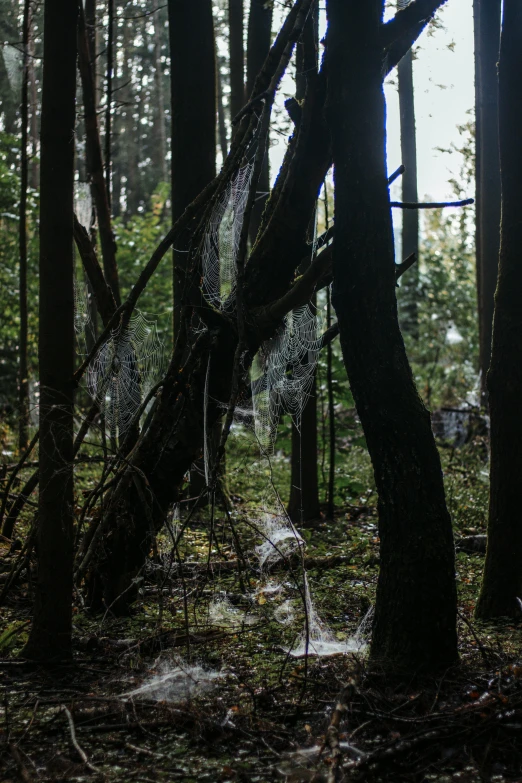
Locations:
{"points": [[410, 217], [50, 635], [258, 45], [487, 41], [502, 584], [415, 614]]}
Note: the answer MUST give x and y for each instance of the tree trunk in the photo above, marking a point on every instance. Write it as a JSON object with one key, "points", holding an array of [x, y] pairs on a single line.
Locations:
{"points": [[410, 217], [303, 505], [95, 162], [487, 201], [502, 584], [237, 57], [415, 613], [108, 110], [193, 73], [23, 381], [50, 635], [258, 46]]}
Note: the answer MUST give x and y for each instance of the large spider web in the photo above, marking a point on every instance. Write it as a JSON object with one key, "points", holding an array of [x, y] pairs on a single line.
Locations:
{"points": [[221, 241], [282, 373], [124, 370]]}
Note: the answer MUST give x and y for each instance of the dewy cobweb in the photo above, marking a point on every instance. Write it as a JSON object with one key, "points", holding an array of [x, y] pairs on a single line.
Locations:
{"points": [[83, 203], [124, 370], [221, 241], [282, 373]]}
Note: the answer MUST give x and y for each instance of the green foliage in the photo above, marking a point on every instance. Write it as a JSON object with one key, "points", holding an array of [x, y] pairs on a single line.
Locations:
{"points": [[9, 272], [445, 354], [137, 238]]}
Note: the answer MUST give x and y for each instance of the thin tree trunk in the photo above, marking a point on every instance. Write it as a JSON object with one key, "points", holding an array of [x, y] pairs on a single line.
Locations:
{"points": [[95, 162], [487, 42], [160, 96], [258, 46], [330, 511], [50, 635], [108, 111], [23, 380], [502, 584], [33, 124], [193, 73], [303, 505], [415, 613], [410, 217], [237, 57]]}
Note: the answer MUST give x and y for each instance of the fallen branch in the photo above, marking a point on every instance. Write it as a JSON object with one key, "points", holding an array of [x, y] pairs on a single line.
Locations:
{"points": [[82, 754]]}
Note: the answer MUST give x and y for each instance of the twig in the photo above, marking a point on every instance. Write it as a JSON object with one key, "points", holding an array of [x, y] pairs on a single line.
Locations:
{"points": [[431, 204], [74, 741]]}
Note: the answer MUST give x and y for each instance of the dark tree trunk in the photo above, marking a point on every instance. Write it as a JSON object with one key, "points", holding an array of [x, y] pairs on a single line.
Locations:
{"points": [[330, 510], [237, 57], [415, 613], [23, 380], [193, 108], [487, 40], [50, 635], [258, 45], [95, 162], [303, 505], [502, 584], [410, 217]]}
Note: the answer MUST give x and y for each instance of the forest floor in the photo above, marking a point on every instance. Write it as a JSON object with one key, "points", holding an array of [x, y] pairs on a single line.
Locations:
{"points": [[198, 683]]}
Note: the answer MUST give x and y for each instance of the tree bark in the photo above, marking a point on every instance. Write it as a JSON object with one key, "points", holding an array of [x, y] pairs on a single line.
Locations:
{"points": [[487, 200], [237, 57], [193, 108], [258, 45], [50, 635], [415, 613], [502, 583], [410, 217]]}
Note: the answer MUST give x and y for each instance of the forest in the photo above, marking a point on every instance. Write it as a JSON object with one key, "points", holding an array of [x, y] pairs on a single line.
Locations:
{"points": [[260, 391]]}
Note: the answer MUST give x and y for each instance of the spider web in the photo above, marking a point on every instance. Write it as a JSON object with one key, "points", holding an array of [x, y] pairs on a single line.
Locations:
{"points": [[82, 316], [83, 203], [282, 373], [124, 370], [13, 60], [221, 241]]}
